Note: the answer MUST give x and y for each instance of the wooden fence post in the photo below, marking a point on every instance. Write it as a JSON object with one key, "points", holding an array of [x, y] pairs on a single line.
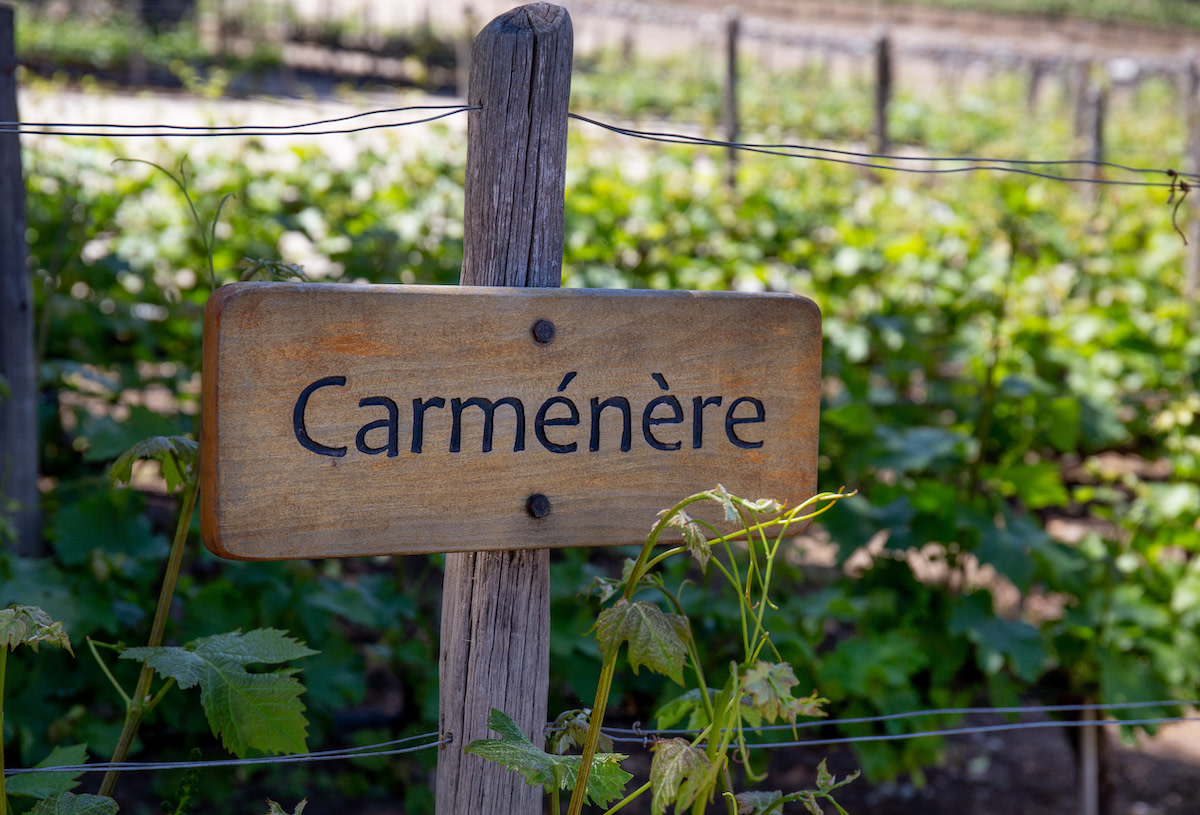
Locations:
{"points": [[883, 91], [18, 410], [1097, 114], [733, 25], [496, 604], [1191, 102]]}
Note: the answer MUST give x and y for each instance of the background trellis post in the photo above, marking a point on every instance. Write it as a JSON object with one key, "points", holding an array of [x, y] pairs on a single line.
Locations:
{"points": [[18, 409]]}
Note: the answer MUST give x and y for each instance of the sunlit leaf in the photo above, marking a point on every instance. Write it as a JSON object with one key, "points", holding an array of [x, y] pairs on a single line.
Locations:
{"points": [[693, 538], [656, 639], [769, 686], [177, 455]]}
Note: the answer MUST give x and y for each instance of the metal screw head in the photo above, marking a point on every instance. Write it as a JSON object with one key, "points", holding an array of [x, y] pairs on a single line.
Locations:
{"points": [[543, 331], [538, 505]]}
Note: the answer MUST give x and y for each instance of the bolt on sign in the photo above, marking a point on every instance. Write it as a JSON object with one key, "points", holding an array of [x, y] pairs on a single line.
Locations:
{"points": [[344, 421]]}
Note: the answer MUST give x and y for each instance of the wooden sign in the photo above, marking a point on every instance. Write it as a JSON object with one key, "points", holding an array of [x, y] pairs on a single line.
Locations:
{"points": [[347, 420]]}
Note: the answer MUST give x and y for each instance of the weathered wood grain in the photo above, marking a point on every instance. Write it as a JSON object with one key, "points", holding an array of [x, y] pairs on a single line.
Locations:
{"points": [[513, 236], [692, 367]]}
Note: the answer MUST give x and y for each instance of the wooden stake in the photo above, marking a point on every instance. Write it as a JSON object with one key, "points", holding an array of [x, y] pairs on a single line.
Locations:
{"points": [[495, 605], [1191, 101], [1089, 765], [883, 91], [18, 410], [732, 124]]}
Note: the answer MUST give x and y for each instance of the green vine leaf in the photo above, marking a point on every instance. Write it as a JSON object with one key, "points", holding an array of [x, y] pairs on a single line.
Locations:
{"points": [[722, 497], [515, 752], [756, 802], [178, 456], [693, 538], [45, 785], [29, 625], [271, 270], [688, 706], [570, 730], [678, 773], [68, 803], [656, 639], [769, 686], [247, 711], [759, 803]]}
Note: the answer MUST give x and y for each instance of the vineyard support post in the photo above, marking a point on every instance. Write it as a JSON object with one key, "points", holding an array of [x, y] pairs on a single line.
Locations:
{"points": [[18, 409], [495, 604], [883, 91], [1191, 86], [733, 25]]}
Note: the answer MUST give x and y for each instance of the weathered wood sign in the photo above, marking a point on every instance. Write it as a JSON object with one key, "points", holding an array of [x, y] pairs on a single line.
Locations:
{"points": [[363, 420]]}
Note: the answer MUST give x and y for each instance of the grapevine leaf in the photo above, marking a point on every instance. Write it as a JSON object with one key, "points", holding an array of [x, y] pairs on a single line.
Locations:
{"points": [[722, 497], [656, 639], [769, 686], [517, 753], [687, 706], [693, 538], [29, 625], [176, 454], [757, 802], [827, 782], [769, 505], [271, 270], [570, 730], [606, 781], [45, 785], [68, 803], [678, 774], [247, 711]]}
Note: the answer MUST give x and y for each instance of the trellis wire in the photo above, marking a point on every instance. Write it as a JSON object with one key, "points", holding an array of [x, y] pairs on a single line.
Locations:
{"points": [[637, 735], [368, 751], [645, 737], [867, 160], [101, 130], [955, 711]]}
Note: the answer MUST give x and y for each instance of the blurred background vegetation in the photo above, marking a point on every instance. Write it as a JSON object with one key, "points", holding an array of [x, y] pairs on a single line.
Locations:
{"points": [[1010, 373]]}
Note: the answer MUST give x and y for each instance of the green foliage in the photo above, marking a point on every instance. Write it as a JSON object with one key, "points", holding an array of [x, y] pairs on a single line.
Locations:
{"points": [[108, 45], [248, 711], [176, 455], [683, 773], [29, 625], [680, 773], [516, 752], [764, 803], [47, 785], [1003, 357], [70, 803], [656, 639]]}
